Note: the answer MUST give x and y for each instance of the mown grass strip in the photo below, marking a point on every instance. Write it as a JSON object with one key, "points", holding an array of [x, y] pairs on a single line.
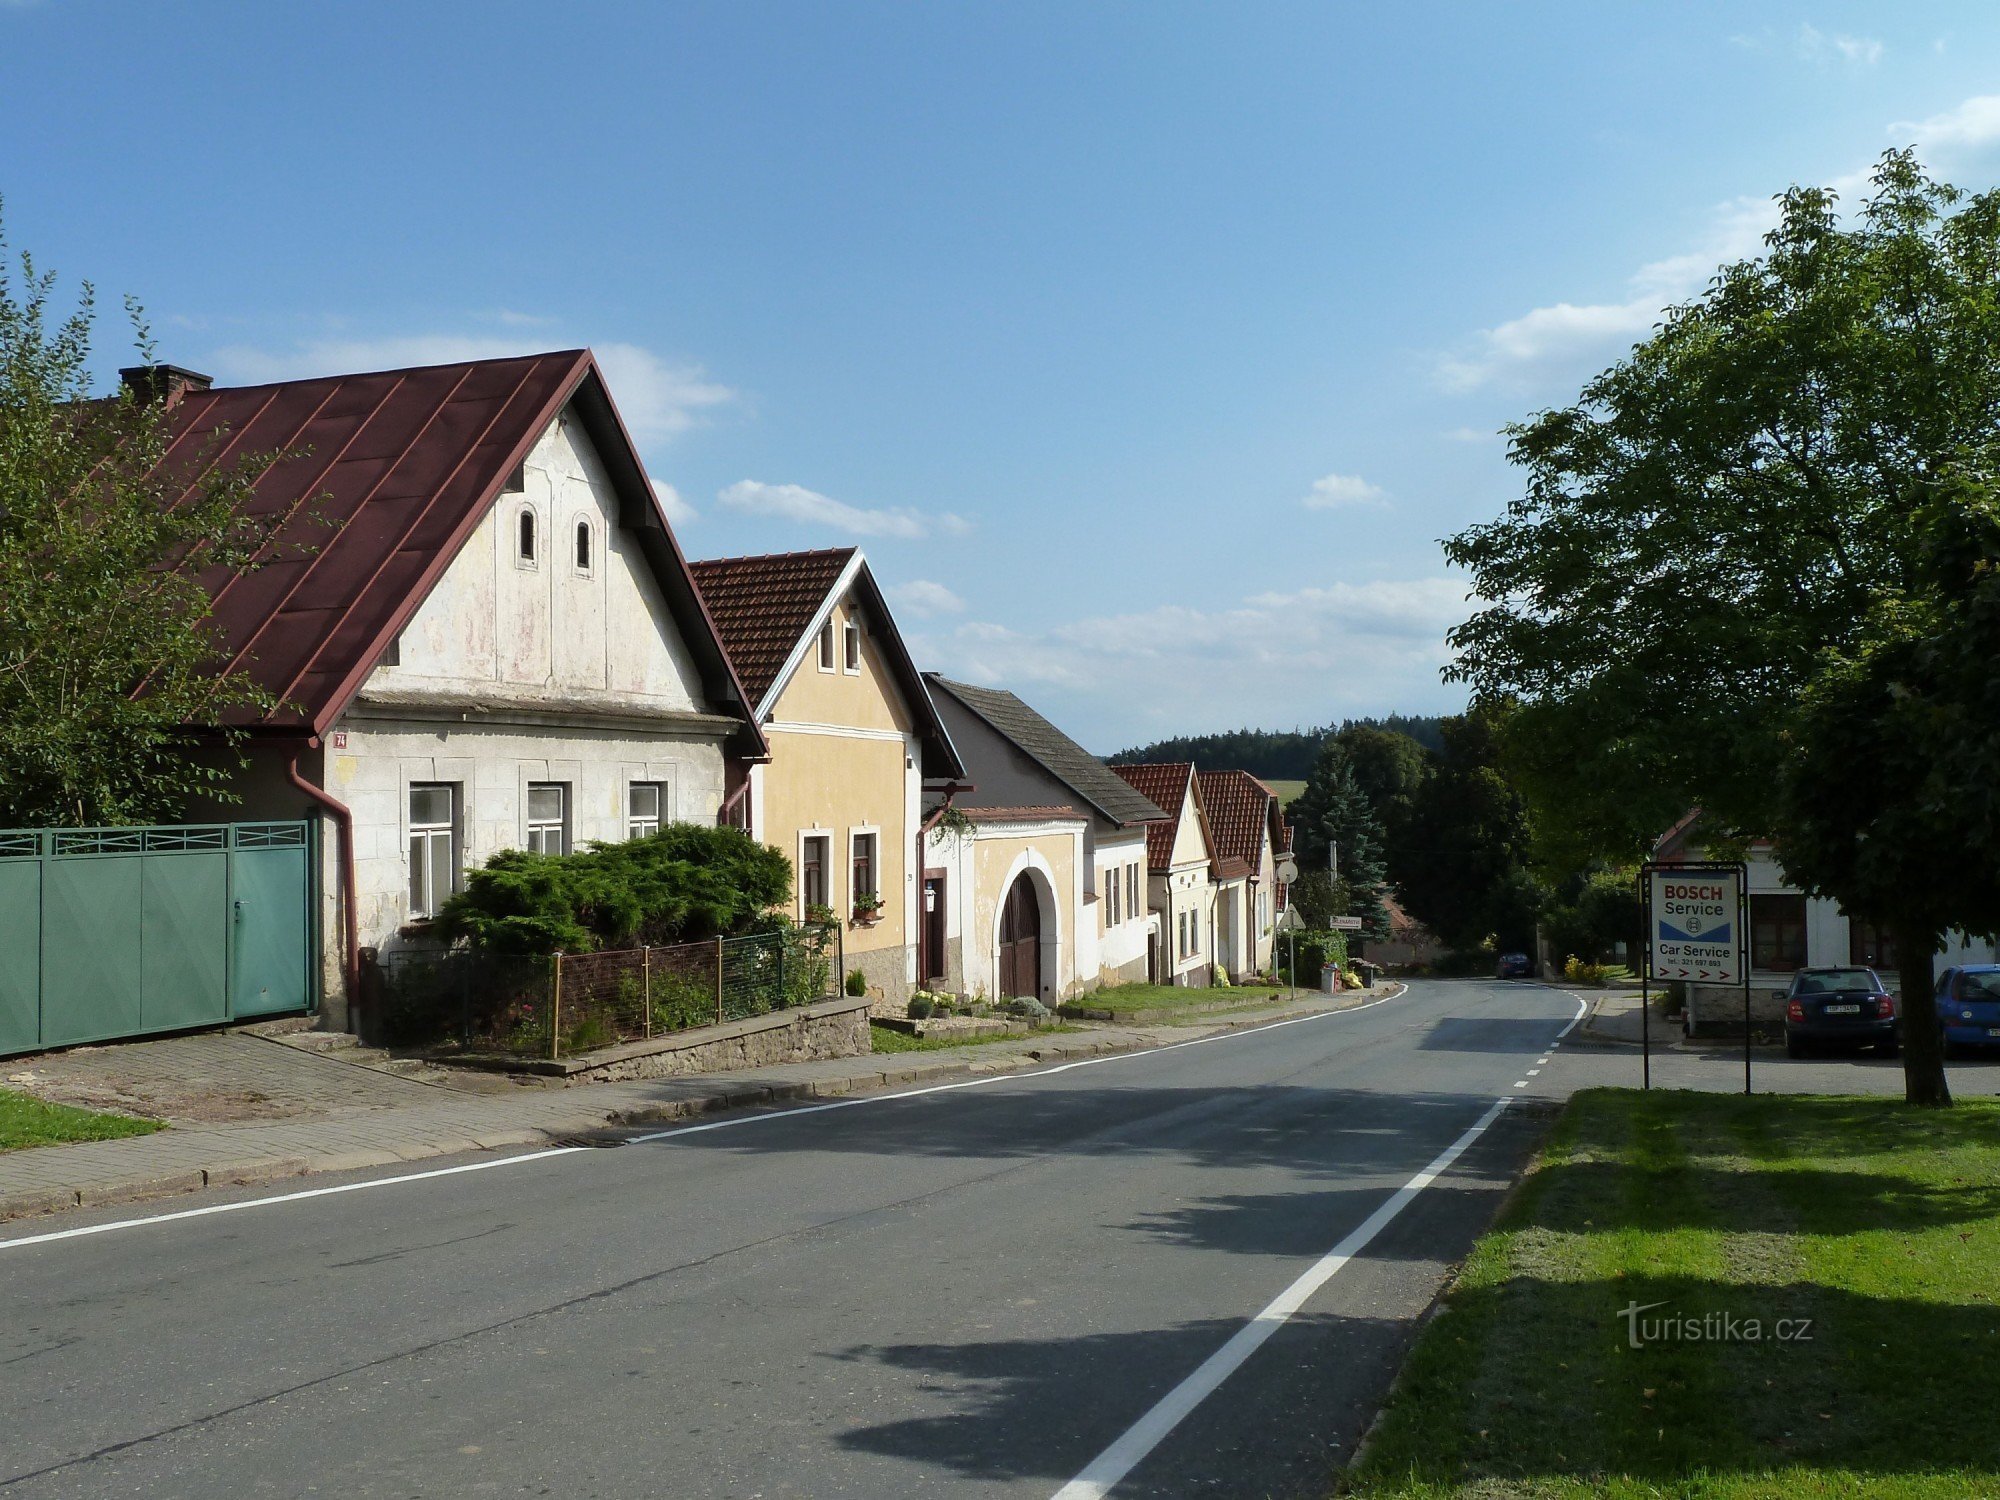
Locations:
{"points": [[31, 1122], [1866, 1233]]}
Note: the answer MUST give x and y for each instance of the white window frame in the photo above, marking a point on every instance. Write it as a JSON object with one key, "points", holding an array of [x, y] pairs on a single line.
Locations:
{"points": [[1132, 887], [533, 826], [426, 840], [874, 835], [1112, 918], [824, 837], [828, 655], [635, 823], [850, 648], [532, 560]]}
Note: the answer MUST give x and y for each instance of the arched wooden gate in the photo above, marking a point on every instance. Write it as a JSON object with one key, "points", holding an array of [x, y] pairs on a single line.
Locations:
{"points": [[1021, 942]]}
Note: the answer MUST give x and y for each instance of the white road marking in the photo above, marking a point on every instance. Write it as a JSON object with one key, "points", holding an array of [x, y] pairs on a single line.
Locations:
{"points": [[1534, 1072], [324, 1192], [1582, 1010], [1520, 1083], [732, 1123], [1143, 1436]]}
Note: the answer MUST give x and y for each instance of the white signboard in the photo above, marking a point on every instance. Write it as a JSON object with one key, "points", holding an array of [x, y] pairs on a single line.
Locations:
{"points": [[1697, 926]]}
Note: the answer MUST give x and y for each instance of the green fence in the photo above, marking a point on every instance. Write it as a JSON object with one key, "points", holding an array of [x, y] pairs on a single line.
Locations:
{"points": [[118, 932], [565, 1004]]}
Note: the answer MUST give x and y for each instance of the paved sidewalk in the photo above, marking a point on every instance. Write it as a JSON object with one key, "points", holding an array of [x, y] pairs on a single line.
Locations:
{"points": [[403, 1120]]}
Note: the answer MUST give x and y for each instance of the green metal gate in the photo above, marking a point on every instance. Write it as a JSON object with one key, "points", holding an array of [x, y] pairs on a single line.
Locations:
{"points": [[116, 932]]}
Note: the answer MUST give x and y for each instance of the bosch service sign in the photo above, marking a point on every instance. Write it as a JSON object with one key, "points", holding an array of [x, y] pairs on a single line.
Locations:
{"points": [[1696, 918]]}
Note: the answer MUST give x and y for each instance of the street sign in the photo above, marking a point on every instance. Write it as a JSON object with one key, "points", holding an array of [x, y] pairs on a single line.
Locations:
{"points": [[1345, 924], [1288, 870], [1695, 919], [1289, 920]]}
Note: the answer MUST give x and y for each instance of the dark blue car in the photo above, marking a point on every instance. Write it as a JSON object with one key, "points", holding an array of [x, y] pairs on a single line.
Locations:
{"points": [[1840, 1007], [1968, 1006]]}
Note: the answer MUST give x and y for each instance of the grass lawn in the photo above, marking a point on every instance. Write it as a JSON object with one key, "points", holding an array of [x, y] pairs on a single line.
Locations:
{"points": [[889, 1039], [1878, 1223], [1284, 790], [30, 1122], [1172, 997]]}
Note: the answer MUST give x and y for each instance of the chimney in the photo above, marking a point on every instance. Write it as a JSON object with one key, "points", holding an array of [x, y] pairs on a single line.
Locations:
{"points": [[164, 383]]}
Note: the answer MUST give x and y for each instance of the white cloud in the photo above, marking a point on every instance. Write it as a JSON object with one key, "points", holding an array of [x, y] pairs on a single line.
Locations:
{"points": [[1349, 647], [1471, 435], [924, 599], [794, 502], [657, 397], [678, 511], [1972, 125], [1855, 51], [1338, 490]]}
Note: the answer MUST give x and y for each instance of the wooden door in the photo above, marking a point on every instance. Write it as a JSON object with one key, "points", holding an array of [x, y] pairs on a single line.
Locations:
{"points": [[1021, 942]]}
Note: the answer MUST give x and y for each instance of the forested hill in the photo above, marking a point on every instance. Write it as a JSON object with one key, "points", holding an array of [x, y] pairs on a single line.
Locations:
{"points": [[1286, 754]]}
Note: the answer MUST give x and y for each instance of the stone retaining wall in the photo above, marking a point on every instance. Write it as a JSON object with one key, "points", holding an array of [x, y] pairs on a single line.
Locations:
{"points": [[830, 1028]]}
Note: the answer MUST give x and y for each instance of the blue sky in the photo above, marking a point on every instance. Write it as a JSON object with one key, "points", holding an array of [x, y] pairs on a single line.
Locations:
{"points": [[1147, 348]]}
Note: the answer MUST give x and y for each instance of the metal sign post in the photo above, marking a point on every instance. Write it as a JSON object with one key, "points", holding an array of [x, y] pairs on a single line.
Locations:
{"points": [[1696, 920], [1287, 872]]}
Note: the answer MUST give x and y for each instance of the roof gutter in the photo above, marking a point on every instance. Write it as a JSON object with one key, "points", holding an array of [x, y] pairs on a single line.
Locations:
{"points": [[343, 823]]}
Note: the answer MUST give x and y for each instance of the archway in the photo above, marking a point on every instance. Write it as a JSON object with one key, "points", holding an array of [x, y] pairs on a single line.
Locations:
{"points": [[1021, 940]]}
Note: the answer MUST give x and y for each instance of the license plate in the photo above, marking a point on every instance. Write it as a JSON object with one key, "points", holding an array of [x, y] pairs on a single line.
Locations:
{"points": [[1842, 1010], [1993, 1031]]}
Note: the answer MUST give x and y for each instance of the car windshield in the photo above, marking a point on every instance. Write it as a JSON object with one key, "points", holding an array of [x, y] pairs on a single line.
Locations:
{"points": [[1979, 986], [1837, 982]]}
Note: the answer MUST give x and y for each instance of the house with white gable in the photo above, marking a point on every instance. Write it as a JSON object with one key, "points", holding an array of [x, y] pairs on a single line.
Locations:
{"points": [[1183, 867], [481, 629]]}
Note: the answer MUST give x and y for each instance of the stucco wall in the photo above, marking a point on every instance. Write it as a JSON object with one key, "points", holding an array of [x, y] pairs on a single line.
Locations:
{"points": [[844, 760], [979, 868], [1121, 949]]}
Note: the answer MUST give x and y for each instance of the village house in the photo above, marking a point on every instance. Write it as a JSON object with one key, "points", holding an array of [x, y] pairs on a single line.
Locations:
{"points": [[852, 737], [481, 628], [1181, 863], [1790, 930], [1036, 888], [1242, 816]]}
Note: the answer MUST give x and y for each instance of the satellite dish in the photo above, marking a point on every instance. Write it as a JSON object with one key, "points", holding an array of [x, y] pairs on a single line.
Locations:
{"points": [[1288, 870]]}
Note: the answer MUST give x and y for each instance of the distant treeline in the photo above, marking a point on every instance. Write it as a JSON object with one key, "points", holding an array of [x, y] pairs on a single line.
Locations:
{"points": [[1285, 754]]}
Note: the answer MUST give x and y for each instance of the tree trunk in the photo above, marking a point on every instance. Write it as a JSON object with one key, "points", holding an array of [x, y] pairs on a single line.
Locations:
{"points": [[1923, 1041]]}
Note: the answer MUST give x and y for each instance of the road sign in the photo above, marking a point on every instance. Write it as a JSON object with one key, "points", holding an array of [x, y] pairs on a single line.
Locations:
{"points": [[1696, 922], [1345, 924], [1289, 920]]}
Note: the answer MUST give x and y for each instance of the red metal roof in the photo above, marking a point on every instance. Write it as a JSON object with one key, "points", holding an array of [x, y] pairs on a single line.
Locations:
{"points": [[762, 605], [400, 466]]}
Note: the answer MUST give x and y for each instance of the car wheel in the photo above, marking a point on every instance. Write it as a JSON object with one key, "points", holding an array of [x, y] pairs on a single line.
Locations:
{"points": [[1889, 1049], [1794, 1047]]}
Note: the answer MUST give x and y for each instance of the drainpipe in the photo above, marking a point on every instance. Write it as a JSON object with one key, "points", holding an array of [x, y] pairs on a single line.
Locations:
{"points": [[951, 790], [730, 804], [343, 823]]}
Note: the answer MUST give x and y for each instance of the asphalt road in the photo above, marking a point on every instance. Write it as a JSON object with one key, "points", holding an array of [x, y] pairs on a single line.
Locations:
{"points": [[974, 1291]]}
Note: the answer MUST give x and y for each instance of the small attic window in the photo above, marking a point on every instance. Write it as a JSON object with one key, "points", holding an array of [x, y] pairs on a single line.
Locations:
{"points": [[525, 547], [583, 557], [517, 482]]}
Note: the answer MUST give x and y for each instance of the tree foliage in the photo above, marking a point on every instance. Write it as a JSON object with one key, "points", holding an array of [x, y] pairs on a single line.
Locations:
{"points": [[1282, 754], [1333, 810], [106, 652], [1461, 868], [683, 884], [1718, 567]]}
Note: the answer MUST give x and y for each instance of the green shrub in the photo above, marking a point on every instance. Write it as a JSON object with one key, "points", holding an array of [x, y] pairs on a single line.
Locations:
{"points": [[857, 983], [683, 884], [920, 1007], [1314, 951]]}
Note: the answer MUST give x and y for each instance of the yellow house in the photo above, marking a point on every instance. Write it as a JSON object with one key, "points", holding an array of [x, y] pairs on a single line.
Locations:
{"points": [[852, 735]]}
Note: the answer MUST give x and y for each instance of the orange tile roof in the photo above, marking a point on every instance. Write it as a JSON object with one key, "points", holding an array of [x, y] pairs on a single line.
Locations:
{"points": [[1165, 785], [1238, 812], [762, 605]]}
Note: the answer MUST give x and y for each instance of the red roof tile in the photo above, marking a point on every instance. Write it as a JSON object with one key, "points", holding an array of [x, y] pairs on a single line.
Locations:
{"points": [[1166, 786], [762, 605], [1238, 814], [400, 466]]}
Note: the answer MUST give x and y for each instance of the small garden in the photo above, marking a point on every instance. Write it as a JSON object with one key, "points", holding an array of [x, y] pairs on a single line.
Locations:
{"points": [[545, 955]]}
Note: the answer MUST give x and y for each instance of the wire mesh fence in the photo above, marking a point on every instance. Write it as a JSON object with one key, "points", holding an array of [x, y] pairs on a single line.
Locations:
{"points": [[564, 1004]]}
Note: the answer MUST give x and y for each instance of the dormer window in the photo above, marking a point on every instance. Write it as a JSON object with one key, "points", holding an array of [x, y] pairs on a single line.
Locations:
{"points": [[583, 554], [527, 545]]}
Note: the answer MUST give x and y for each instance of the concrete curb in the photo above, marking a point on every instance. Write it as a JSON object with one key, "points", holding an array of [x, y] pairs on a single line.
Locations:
{"points": [[376, 1142]]}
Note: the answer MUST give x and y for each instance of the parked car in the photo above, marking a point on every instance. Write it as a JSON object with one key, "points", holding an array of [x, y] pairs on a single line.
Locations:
{"points": [[1847, 1007], [1515, 966], [1968, 1006]]}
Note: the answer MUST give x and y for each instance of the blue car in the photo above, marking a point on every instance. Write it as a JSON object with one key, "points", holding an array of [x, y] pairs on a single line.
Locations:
{"points": [[1968, 1006], [1840, 1007]]}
